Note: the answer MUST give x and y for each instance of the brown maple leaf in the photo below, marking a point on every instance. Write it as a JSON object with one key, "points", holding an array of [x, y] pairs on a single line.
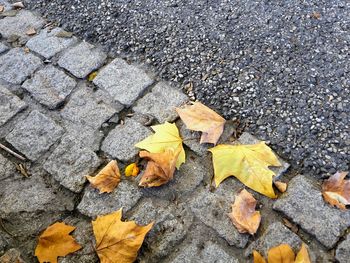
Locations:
{"points": [[118, 241], [336, 190], [107, 179], [55, 241], [243, 214], [199, 117], [160, 167]]}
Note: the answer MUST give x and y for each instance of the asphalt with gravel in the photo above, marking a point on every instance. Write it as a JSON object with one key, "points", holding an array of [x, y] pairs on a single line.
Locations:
{"points": [[281, 67]]}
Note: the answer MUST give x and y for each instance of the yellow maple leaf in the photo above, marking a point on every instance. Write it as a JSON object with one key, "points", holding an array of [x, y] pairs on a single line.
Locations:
{"points": [[257, 257], [281, 254], [132, 170], [248, 163], [117, 241], [107, 179], [166, 136], [199, 117], [303, 255], [55, 242]]}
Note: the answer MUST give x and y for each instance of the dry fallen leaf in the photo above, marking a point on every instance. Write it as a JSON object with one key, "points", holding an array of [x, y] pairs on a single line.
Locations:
{"points": [[303, 255], [281, 186], [92, 76], [290, 225], [55, 242], [257, 257], [248, 163], [281, 254], [336, 190], [107, 179], [243, 214], [166, 136], [160, 167], [117, 241], [18, 5], [31, 31], [2, 8], [11, 256], [132, 170], [199, 117]]}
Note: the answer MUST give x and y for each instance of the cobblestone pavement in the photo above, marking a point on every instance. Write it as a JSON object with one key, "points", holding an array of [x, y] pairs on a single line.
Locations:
{"points": [[68, 127]]}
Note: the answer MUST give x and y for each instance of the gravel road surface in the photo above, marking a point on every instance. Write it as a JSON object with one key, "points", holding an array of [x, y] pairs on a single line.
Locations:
{"points": [[282, 67]]}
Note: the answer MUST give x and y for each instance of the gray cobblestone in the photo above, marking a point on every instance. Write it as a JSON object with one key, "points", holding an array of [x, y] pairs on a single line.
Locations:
{"points": [[70, 162], [304, 205], [50, 86], [212, 209], [82, 59], [207, 253], [342, 253], [121, 140], [7, 170], [47, 44], [16, 65], [125, 196], [34, 135], [19, 24], [3, 48], [85, 107], [123, 81], [90, 137], [186, 179], [161, 102], [31, 195], [275, 235], [82, 234], [10, 105], [170, 227]]}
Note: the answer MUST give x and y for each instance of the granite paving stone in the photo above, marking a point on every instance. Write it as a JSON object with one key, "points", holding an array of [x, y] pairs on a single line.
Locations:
{"points": [[34, 135], [16, 65], [83, 235], [210, 252], [171, 224], [82, 59], [185, 181], [3, 48], [3, 244], [274, 235], [19, 24], [7, 170], [123, 81], [120, 142], [161, 102], [50, 86], [212, 209], [90, 137], [304, 205], [342, 254], [10, 105], [70, 162], [85, 107], [125, 196], [48, 44]]}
